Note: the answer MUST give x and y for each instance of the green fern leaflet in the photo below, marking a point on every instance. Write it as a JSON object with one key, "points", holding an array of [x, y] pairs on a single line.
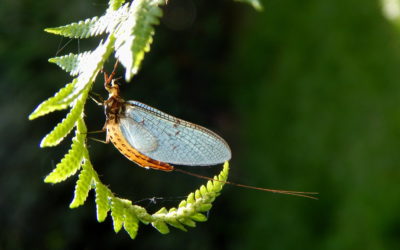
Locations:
{"points": [[127, 30]]}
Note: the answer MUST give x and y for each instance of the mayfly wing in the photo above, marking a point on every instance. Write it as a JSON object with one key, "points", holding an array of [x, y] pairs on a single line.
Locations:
{"points": [[144, 141], [165, 138]]}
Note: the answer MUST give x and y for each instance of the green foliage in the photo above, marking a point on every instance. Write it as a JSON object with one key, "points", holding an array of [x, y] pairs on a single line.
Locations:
{"points": [[129, 28], [102, 201], [390, 9], [255, 3], [67, 124], [61, 100], [83, 186], [71, 162]]}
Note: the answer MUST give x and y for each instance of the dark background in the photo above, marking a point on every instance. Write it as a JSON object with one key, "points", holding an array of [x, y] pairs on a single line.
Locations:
{"points": [[306, 93]]}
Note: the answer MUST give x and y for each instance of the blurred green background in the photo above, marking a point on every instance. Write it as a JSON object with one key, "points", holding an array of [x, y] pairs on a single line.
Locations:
{"points": [[306, 93]]}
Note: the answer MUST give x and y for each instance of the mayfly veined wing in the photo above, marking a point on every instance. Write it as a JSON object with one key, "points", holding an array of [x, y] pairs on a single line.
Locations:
{"points": [[168, 139], [154, 139]]}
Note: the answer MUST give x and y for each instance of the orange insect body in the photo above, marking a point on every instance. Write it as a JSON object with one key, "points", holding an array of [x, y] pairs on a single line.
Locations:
{"points": [[115, 136], [114, 108]]}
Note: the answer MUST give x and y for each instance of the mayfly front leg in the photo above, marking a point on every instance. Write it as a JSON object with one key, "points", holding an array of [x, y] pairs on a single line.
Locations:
{"points": [[108, 78]]}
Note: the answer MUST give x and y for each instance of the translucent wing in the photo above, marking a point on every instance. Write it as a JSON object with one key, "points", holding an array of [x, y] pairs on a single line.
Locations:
{"points": [[143, 141], [168, 139]]}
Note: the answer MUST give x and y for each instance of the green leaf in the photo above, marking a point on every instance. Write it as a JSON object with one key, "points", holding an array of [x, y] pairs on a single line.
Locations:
{"points": [[189, 210], [255, 3], [94, 26], [93, 64], [82, 29], [135, 35], [190, 198], [81, 129], [197, 194], [210, 186], [182, 203], [72, 63], [131, 223], [115, 4], [61, 100], [188, 222], [83, 186], [203, 191], [103, 194], [66, 125], [69, 164], [177, 224], [204, 207], [162, 211], [142, 214], [161, 226], [199, 217], [117, 213]]}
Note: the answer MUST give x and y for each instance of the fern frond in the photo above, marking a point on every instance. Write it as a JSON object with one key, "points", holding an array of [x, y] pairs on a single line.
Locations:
{"points": [[142, 214], [115, 4], [134, 36], [70, 164], [175, 223], [190, 210], [61, 100], [103, 195], [95, 61], [161, 226], [255, 3], [83, 186], [81, 29], [199, 217], [94, 26], [117, 213], [72, 63], [131, 223], [130, 29], [66, 125], [87, 65]]}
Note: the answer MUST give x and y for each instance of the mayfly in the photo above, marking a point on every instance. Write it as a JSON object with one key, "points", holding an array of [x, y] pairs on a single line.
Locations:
{"points": [[154, 139]]}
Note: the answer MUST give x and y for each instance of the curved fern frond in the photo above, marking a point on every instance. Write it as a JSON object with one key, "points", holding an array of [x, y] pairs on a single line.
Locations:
{"points": [[66, 125], [115, 4], [82, 29], [83, 186], [191, 209], [72, 63], [129, 29], [136, 34], [94, 26], [103, 204], [131, 25], [61, 100], [93, 64], [131, 223], [71, 162], [118, 213]]}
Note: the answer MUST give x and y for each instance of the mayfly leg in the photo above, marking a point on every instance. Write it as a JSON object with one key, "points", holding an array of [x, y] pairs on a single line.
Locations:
{"points": [[109, 78], [97, 98]]}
